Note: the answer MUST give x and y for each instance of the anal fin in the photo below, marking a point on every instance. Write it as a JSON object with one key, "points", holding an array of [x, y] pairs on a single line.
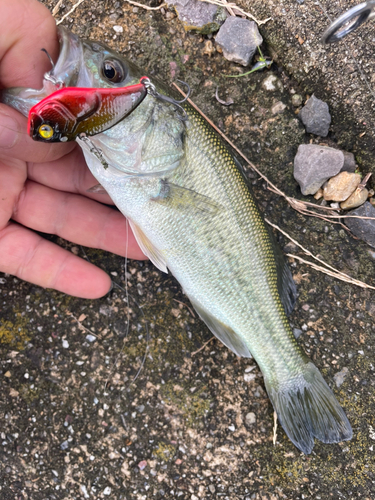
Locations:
{"points": [[223, 332]]}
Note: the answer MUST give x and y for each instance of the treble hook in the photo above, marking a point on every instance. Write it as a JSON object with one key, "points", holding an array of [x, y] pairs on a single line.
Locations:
{"points": [[152, 91], [47, 75]]}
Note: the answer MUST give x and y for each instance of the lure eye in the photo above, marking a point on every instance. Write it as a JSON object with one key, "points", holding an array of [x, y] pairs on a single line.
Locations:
{"points": [[113, 71], [45, 131]]}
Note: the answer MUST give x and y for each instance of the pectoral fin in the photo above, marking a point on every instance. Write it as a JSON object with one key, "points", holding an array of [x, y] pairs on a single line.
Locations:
{"points": [[148, 248], [223, 332], [182, 198]]}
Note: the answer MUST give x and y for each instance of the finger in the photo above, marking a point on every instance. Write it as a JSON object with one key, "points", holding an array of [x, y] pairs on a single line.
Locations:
{"points": [[76, 219], [31, 258], [69, 173], [15, 142], [26, 27]]}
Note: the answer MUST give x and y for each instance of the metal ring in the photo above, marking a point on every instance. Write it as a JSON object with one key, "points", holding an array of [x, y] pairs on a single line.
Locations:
{"points": [[354, 16]]}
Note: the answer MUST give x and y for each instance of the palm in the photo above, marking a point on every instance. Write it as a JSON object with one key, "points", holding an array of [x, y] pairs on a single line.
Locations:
{"points": [[44, 188]]}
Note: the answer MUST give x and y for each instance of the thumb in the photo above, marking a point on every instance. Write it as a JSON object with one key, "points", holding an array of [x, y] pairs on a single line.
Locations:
{"points": [[15, 142]]}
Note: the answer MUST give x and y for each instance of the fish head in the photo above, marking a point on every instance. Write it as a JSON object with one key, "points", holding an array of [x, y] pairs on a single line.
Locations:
{"points": [[81, 63]]}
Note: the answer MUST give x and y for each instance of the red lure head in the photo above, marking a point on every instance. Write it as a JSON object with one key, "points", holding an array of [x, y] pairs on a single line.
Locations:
{"points": [[71, 111]]}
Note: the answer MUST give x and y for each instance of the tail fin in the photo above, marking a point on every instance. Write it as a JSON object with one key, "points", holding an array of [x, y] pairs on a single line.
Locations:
{"points": [[307, 408]]}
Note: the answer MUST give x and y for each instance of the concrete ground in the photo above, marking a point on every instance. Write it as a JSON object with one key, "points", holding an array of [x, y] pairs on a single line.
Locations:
{"points": [[104, 399]]}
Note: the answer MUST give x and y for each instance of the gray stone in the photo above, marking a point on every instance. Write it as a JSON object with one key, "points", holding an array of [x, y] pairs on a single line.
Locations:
{"points": [[315, 117], [297, 332], [314, 165], [349, 162], [199, 16], [339, 377], [239, 39], [364, 229]]}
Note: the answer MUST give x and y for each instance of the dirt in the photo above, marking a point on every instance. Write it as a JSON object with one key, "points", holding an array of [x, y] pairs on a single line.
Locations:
{"points": [[100, 399]]}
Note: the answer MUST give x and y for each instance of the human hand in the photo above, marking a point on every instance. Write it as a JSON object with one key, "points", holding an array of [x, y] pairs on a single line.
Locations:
{"points": [[44, 187]]}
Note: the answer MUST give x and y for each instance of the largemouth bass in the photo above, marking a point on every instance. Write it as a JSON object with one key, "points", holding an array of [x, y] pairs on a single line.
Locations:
{"points": [[193, 215]]}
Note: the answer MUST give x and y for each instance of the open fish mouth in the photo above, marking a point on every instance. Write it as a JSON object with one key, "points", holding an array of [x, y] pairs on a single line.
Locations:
{"points": [[66, 71]]}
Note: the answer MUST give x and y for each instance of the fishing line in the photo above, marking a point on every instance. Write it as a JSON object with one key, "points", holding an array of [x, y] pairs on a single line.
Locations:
{"points": [[350, 52]]}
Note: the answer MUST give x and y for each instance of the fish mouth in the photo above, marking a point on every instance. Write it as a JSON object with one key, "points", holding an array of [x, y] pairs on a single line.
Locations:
{"points": [[66, 71]]}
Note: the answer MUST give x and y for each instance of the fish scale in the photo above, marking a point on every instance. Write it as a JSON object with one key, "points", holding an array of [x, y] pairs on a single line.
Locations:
{"points": [[193, 215]]}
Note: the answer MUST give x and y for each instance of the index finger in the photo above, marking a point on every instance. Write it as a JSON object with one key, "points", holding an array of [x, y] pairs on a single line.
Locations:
{"points": [[26, 27]]}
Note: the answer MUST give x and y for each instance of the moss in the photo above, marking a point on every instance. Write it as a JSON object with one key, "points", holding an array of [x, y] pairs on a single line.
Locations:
{"points": [[164, 452], [192, 406], [28, 394], [15, 334]]}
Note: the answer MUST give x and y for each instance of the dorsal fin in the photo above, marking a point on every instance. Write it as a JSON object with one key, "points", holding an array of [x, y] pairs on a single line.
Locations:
{"points": [[223, 332]]}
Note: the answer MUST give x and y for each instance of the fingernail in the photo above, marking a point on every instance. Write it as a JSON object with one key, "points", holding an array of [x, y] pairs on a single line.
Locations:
{"points": [[8, 131]]}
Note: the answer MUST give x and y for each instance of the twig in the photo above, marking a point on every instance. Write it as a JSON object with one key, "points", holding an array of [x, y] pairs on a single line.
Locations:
{"points": [[191, 310], [229, 6], [57, 7], [70, 12], [83, 326], [203, 346], [328, 269], [274, 427], [146, 7]]}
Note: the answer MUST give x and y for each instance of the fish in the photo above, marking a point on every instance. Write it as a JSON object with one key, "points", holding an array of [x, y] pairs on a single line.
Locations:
{"points": [[192, 213]]}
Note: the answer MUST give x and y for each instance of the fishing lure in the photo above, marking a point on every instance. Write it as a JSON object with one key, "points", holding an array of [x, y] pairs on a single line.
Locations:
{"points": [[71, 112]]}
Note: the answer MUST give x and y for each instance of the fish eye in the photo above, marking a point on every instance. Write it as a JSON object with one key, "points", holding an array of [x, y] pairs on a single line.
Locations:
{"points": [[45, 131], [113, 71]]}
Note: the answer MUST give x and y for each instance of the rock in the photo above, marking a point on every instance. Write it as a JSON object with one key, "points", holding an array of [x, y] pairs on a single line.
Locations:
{"points": [[278, 108], [349, 162], [272, 83], [318, 194], [297, 332], [364, 229], [199, 16], [355, 200], [314, 165], [296, 100], [315, 117], [250, 418], [341, 186], [239, 39], [339, 377]]}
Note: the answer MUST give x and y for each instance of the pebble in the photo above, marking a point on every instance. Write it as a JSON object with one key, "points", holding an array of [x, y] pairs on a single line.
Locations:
{"points": [[296, 100], [297, 332], [341, 186], [272, 83], [248, 377], [364, 229], [90, 338], [250, 418], [278, 108], [314, 165], [65, 344], [339, 377], [355, 200], [239, 39], [107, 491], [199, 16], [349, 162], [118, 29], [315, 117], [318, 194]]}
